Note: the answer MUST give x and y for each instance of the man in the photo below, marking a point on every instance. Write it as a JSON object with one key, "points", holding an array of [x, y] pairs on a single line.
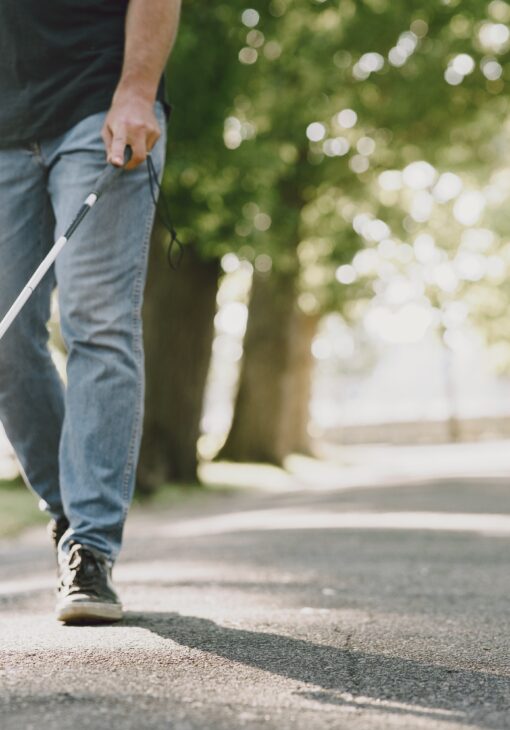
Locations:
{"points": [[79, 81]]}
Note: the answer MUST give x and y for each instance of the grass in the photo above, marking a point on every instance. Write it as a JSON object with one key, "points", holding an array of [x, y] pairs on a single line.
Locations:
{"points": [[169, 496], [18, 508]]}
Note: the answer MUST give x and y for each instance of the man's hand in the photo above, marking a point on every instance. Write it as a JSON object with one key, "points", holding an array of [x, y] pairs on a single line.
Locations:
{"points": [[130, 121], [151, 26]]}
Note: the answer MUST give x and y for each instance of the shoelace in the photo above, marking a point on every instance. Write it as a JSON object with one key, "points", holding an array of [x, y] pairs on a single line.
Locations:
{"points": [[79, 562], [163, 211]]}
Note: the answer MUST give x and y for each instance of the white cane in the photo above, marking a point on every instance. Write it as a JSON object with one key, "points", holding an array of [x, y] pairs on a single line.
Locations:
{"points": [[104, 180]]}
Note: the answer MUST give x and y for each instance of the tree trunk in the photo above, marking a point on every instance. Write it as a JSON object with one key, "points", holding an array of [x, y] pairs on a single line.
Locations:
{"points": [[179, 324], [297, 416], [271, 410], [453, 425]]}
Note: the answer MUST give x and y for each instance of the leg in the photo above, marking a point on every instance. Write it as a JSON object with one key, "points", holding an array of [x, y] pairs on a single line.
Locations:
{"points": [[100, 275], [31, 393]]}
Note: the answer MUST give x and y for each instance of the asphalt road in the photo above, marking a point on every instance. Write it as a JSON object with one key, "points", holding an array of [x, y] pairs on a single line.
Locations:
{"points": [[361, 608]]}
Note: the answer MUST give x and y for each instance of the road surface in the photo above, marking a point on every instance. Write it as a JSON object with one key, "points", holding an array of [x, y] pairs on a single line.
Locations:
{"points": [[320, 607]]}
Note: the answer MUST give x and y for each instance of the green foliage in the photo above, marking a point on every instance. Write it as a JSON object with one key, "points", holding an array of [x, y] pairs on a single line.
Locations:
{"points": [[247, 172], [18, 508]]}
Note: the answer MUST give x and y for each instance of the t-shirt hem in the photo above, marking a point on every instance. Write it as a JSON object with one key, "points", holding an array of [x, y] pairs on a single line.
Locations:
{"points": [[99, 103]]}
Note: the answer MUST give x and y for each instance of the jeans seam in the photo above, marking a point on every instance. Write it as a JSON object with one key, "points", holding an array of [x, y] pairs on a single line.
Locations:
{"points": [[43, 504], [136, 335]]}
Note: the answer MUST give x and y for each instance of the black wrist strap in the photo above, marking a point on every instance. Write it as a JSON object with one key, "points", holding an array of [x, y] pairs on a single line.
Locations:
{"points": [[174, 255]]}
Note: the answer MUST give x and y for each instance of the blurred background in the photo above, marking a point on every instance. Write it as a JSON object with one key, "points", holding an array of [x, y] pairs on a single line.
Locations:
{"points": [[338, 173]]}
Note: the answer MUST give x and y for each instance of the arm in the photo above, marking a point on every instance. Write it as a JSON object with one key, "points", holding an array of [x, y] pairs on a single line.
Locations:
{"points": [[151, 28]]}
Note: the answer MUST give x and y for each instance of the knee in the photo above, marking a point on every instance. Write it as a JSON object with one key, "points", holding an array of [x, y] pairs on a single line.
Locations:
{"points": [[88, 317], [104, 341], [26, 340]]}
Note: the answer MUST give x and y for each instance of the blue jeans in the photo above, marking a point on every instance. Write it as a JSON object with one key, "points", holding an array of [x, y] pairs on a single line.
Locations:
{"points": [[77, 445]]}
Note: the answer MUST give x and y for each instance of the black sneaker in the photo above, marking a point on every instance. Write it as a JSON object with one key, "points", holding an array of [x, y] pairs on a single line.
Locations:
{"points": [[86, 593], [56, 529]]}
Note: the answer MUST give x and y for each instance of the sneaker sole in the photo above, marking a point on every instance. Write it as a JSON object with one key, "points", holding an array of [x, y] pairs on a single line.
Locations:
{"points": [[89, 612]]}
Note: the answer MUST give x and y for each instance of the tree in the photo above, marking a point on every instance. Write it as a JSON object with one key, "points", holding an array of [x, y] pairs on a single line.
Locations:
{"points": [[396, 106], [200, 189], [283, 126], [177, 353]]}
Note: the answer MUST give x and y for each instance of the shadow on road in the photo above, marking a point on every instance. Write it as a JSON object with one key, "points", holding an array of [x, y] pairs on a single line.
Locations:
{"points": [[429, 593], [342, 676]]}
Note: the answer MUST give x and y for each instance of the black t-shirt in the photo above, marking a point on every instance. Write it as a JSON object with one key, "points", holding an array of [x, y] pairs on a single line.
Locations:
{"points": [[60, 61]]}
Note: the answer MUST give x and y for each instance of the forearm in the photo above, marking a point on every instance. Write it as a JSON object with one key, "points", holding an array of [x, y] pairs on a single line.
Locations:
{"points": [[151, 29]]}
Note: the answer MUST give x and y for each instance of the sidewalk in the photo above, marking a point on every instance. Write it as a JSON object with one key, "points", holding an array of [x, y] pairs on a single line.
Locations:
{"points": [[313, 607]]}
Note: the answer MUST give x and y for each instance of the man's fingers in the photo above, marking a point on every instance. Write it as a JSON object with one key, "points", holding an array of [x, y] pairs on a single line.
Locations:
{"points": [[107, 137], [141, 137], [139, 149], [117, 147], [130, 121], [152, 138], [141, 144]]}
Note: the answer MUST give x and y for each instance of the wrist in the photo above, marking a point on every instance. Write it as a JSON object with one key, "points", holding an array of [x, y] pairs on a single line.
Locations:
{"points": [[135, 89]]}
